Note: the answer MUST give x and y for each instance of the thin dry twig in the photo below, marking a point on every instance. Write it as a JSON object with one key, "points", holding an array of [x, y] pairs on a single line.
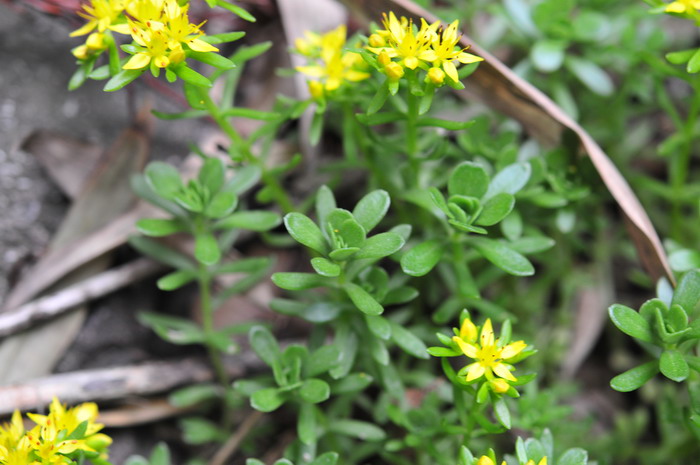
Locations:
{"points": [[117, 383], [66, 299], [230, 446]]}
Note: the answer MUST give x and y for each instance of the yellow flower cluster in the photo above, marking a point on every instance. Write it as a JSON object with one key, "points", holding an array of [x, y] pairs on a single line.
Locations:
{"points": [[486, 460], [687, 8], [160, 29], [401, 46], [491, 357], [54, 438], [329, 63]]}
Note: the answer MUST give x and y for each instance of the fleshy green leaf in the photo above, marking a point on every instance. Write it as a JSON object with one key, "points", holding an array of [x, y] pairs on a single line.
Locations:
{"points": [[206, 249], [292, 281], [363, 300], [357, 429], [495, 209], [325, 267], [380, 245], [591, 75], [548, 55], [673, 365], [422, 258], [687, 294], [267, 400], [164, 179], [254, 220], [264, 344], [156, 227], [635, 378], [630, 322], [408, 341], [305, 231], [176, 280], [322, 360], [122, 78], [468, 179], [574, 456], [379, 326], [503, 257], [306, 424], [314, 391], [191, 76], [371, 208], [212, 174]]}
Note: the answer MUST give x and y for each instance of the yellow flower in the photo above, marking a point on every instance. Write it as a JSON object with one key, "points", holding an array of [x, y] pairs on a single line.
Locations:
{"points": [[160, 28], [402, 42], [689, 7], [541, 462], [444, 53], [486, 460], [331, 65], [489, 355], [102, 15], [11, 433]]}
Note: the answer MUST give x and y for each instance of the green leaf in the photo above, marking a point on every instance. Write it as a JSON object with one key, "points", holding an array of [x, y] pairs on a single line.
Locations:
{"points": [[322, 360], [510, 180], [468, 179], [673, 365], [264, 344], [176, 330], [371, 208], [380, 245], [694, 63], [681, 56], [500, 410], [325, 267], [197, 430], [630, 322], [236, 10], [495, 209], [191, 76], [442, 352], [379, 326], [684, 260], [635, 378], [450, 125], [400, 295], [193, 395], [530, 245], [422, 258], [176, 280], [292, 281], [223, 204], [251, 113], [160, 455], [245, 178], [253, 220], [325, 204], [548, 55], [378, 100], [206, 249], [687, 293], [574, 456], [305, 231], [223, 37], [357, 429], [212, 174], [503, 257], [267, 400], [306, 424], [329, 458], [591, 75], [314, 391], [408, 341], [362, 299], [164, 179], [122, 78], [212, 59], [160, 252], [155, 227], [378, 350], [352, 383]]}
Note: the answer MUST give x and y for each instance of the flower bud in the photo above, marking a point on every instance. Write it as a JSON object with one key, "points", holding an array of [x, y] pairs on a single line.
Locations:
{"points": [[383, 58], [485, 460], [499, 386], [375, 40], [394, 71], [316, 89], [436, 76], [98, 441], [80, 52], [95, 41]]}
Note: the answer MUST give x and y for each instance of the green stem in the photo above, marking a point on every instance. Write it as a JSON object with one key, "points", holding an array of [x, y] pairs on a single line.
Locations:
{"points": [[243, 146], [412, 136]]}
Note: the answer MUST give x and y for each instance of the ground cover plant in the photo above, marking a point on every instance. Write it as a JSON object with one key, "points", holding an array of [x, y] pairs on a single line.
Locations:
{"points": [[448, 267]]}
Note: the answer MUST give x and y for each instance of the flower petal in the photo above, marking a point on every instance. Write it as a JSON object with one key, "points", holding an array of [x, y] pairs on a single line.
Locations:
{"points": [[512, 349], [138, 61], [199, 45], [502, 370], [476, 371], [487, 338], [466, 348], [468, 330]]}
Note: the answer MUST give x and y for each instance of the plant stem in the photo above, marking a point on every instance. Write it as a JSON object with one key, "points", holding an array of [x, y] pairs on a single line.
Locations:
{"points": [[270, 181], [207, 308], [412, 136]]}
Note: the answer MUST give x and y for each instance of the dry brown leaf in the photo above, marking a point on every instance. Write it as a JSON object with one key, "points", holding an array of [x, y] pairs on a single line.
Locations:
{"points": [[499, 87], [107, 194], [68, 161]]}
